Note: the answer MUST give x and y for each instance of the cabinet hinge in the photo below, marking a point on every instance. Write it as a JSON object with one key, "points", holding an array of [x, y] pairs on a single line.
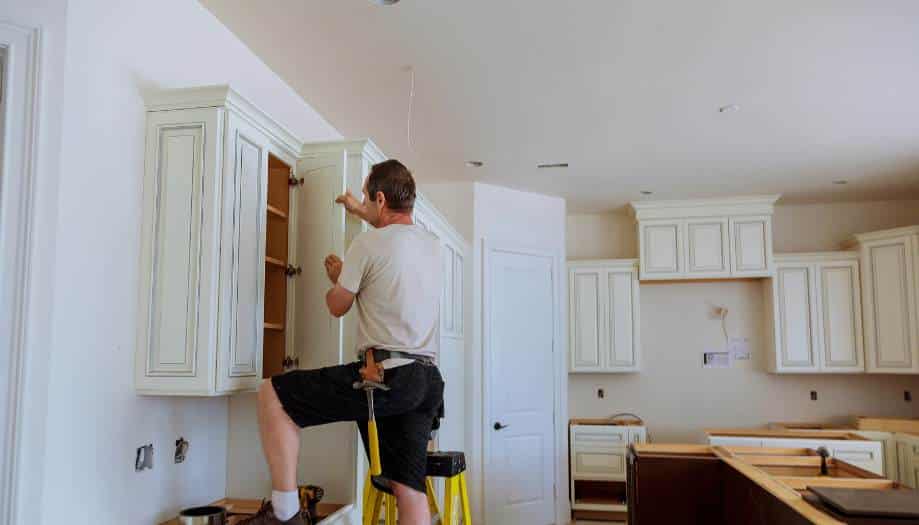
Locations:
{"points": [[292, 179], [293, 271], [289, 362]]}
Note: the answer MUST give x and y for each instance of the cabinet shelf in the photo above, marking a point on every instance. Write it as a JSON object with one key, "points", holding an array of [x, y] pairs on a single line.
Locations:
{"points": [[276, 212], [271, 261], [274, 326]]}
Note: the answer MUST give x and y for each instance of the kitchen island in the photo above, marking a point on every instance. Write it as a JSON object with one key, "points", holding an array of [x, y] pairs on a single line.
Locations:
{"points": [[712, 485]]}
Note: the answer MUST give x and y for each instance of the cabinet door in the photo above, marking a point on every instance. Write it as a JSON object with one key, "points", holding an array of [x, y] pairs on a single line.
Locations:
{"points": [[908, 461], [458, 293], [622, 328], [178, 277], [794, 290], [868, 455], [245, 187], [585, 318], [751, 246], [890, 298], [840, 317], [707, 246], [448, 299], [661, 247]]}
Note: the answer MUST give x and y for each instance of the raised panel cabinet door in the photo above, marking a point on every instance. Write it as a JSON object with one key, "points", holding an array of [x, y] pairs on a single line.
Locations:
{"points": [[448, 299], [751, 246], [889, 302], [621, 351], [794, 289], [908, 461], [707, 246], [243, 231], [458, 294], [839, 304], [585, 319], [176, 338], [661, 247]]}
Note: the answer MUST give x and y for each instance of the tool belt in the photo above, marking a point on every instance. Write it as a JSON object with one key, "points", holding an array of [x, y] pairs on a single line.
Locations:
{"points": [[380, 355]]}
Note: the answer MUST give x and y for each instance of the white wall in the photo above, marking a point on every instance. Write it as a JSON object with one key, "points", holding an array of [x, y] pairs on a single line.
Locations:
{"points": [[673, 393], [113, 52]]}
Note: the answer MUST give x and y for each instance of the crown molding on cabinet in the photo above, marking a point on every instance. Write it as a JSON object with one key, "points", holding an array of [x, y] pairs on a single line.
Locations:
{"points": [[815, 257], [878, 235], [732, 206], [225, 96]]}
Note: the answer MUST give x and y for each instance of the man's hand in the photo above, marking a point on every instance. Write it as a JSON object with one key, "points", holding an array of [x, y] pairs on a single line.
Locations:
{"points": [[333, 267], [351, 204]]}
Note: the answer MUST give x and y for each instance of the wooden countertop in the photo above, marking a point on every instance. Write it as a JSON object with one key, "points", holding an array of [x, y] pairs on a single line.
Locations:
{"points": [[880, 424], [784, 433]]}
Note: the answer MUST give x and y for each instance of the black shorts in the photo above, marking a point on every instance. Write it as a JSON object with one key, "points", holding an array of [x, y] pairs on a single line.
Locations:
{"points": [[405, 414]]}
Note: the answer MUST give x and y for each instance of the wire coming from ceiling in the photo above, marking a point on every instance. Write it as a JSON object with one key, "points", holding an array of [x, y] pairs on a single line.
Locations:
{"points": [[411, 104]]}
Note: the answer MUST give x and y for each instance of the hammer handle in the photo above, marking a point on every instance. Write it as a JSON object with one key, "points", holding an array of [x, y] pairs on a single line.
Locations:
{"points": [[375, 468]]}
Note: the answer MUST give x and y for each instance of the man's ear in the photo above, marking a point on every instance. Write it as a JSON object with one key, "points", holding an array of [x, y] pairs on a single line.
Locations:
{"points": [[380, 199]]}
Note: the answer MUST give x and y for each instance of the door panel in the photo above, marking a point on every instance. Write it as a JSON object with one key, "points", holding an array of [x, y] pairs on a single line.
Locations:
{"points": [[890, 341], [661, 249], [751, 239], [585, 319], [840, 307], [796, 336], [245, 187], [519, 344], [620, 321], [707, 247]]}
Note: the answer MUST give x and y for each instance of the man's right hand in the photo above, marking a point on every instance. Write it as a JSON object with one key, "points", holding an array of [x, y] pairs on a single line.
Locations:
{"points": [[351, 204]]}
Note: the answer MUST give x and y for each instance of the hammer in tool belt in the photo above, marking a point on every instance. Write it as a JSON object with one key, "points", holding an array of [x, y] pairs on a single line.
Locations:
{"points": [[372, 379]]}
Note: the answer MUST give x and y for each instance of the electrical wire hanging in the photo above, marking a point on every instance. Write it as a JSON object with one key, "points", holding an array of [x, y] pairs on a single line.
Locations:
{"points": [[411, 103]]}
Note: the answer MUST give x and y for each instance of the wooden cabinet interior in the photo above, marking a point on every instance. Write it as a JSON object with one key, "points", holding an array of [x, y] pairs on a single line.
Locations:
{"points": [[274, 346]]}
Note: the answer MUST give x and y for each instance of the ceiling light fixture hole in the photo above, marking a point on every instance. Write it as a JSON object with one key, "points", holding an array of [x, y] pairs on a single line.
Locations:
{"points": [[474, 163]]}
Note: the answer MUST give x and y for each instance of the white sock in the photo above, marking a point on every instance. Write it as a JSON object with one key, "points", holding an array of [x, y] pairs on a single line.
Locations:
{"points": [[285, 504]]}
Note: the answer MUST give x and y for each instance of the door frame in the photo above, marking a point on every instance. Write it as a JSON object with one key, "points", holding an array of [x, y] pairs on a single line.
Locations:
{"points": [[489, 247], [22, 78]]}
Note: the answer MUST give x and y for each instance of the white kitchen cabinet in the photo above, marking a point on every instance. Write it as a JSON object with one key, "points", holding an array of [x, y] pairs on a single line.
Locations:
{"points": [[907, 459], [890, 265], [201, 301], [705, 238], [598, 453], [603, 311], [814, 306], [453, 252]]}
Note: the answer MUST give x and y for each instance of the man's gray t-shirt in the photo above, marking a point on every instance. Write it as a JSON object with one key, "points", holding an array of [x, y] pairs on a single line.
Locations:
{"points": [[396, 274]]}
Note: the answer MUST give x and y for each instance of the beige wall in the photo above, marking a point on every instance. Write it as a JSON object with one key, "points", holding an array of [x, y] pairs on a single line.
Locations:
{"points": [[673, 393]]}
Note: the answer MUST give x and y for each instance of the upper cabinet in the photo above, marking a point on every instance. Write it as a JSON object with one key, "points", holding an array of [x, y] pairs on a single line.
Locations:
{"points": [[890, 292], [453, 252], [603, 306], [202, 279], [705, 238], [813, 303]]}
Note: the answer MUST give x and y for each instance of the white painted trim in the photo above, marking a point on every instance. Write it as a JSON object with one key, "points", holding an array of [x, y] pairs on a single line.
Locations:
{"points": [[364, 147], [732, 206], [624, 264], [17, 195], [814, 257], [560, 376], [880, 235]]}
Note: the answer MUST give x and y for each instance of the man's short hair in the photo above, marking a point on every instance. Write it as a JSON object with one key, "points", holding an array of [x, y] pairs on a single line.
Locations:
{"points": [[395, 181]]}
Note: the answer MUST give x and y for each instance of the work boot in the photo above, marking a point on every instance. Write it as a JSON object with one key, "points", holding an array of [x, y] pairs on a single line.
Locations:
{"points": [[265, 516]]}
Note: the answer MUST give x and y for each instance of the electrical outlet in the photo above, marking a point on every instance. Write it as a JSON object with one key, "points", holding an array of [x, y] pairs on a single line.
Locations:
{"points": [[813, 395], [144, 458], [600, 393], [907, 395]]}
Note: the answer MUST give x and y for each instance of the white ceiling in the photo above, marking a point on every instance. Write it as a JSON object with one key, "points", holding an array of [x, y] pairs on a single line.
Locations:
{"points": [[626, 91]]}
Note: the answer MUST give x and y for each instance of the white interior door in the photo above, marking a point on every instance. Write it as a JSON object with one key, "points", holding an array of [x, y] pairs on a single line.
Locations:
{"points": [[519, 335]]}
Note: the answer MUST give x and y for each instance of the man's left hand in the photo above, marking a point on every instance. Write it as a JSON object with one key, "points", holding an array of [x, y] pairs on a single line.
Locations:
{"points": [[333, 267]]}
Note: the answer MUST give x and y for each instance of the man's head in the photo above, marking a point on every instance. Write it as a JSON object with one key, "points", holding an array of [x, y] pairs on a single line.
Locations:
{"points": [[389, 194]]}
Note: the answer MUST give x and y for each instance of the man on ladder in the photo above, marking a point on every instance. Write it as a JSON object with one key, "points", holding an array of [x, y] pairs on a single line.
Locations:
{"points": [[393, 275]]}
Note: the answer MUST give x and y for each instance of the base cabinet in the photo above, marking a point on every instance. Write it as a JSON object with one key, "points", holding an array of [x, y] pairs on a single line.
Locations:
{"points": [[907, 459], [868, 455], [598, 458]]}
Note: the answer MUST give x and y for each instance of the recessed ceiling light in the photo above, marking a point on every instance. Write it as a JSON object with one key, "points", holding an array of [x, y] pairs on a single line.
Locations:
{"points": [[385, 2], [553, 165], [646, 192], [474, 163], [730, 108], [840, 182]]}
